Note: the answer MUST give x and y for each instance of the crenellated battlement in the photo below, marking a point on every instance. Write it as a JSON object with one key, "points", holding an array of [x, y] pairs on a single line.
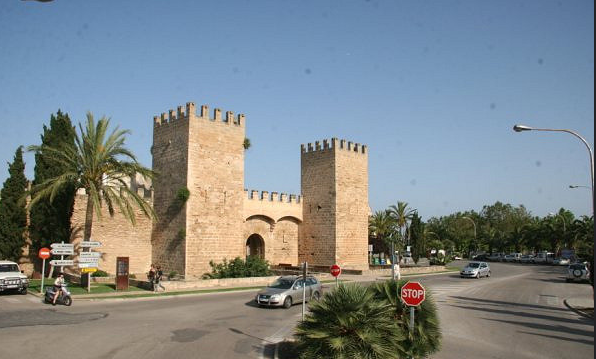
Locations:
{"points": [[333, 144], [272, 197], [190, 111]]}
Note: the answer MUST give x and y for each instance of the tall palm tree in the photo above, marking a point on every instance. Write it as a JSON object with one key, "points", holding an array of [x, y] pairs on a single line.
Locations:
{"points": [[101, 165], [381, 226], [425, 338], [403, 215], [349, 323]]}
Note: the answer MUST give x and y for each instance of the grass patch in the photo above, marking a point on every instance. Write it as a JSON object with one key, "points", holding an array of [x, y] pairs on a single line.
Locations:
{"points": [[173, 293], [74, 289]]}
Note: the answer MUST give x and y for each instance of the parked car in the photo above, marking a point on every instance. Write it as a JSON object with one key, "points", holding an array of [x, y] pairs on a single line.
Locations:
{"points": [[516, 257], [495, 257], [544, 258], [480, 257], [12, 278], [475, 270], [509, 258], [561, 261], [287, 290], [577, 272], [527, 258]]}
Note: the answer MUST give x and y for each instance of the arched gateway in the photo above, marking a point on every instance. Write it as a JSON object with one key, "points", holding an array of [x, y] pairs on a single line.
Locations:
{"points": [[255, 246]]}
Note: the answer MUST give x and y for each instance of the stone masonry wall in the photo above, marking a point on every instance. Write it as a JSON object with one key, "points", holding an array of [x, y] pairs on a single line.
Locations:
{"points": [[352, 208], [317, 235], [170, 161], [216, 184], [119, 238]]}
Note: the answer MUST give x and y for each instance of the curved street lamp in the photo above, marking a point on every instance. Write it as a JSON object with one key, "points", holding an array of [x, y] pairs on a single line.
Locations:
{"points": [[520, 128]]}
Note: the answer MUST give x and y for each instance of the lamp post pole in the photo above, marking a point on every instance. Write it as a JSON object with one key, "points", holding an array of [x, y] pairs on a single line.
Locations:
{"points": [[474, 223], [520, 128]]}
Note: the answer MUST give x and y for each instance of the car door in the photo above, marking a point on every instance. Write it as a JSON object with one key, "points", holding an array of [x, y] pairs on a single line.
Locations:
{"points": [[483, 269], [297, 291]]}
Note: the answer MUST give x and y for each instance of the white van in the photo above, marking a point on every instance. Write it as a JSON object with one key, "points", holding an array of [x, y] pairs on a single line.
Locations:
{"points": [[544, 257]]}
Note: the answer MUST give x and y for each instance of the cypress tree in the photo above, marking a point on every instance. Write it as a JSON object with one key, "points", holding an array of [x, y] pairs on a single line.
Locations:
{"points": [[13, 216], [50, 221]]}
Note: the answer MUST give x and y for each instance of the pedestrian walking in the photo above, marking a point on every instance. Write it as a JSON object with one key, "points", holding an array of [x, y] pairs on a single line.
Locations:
{"points": [[158, 276], [151, 276]]}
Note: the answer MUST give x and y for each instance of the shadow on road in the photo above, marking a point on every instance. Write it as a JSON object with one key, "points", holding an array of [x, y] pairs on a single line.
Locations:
{"points": [[499, 302], [587, 342]]}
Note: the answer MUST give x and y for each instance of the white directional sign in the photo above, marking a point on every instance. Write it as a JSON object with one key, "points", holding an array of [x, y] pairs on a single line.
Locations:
{"points": [[62, 251], [87, 265], [90, 244], [89, 255], [62, 262], [62, 246], [89, 260]]}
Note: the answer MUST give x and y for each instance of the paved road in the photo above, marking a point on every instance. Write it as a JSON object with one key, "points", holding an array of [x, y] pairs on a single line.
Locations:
{"points": [[517, 313]]}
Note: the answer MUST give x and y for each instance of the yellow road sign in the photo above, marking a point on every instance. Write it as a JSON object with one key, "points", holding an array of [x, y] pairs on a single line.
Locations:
{"points": [[88, 270]]}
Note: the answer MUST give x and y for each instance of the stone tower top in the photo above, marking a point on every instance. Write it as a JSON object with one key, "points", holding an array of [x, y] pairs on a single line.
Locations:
{"points": [[190, 111], [333, 144]]}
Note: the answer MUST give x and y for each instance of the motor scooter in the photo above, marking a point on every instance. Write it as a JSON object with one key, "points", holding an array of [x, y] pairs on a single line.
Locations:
{"points": [[63, 298]]}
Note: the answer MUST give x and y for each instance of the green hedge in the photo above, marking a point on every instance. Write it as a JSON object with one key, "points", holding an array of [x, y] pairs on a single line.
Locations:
{"points": [[239, 268]]}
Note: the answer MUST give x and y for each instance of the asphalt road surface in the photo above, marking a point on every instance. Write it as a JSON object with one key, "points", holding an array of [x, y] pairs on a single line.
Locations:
{"points": [[517, 313]]}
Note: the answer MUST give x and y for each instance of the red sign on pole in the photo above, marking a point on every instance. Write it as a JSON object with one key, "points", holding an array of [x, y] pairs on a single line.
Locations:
{"points": [[335, 270], [413, 294], [44, 253]]}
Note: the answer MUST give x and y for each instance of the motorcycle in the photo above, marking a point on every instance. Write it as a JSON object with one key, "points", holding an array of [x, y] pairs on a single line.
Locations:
{"points": [[63, 298]]}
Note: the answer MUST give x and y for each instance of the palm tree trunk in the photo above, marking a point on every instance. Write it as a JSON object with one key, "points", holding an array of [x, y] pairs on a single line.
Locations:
{"points": [[86, 279]]}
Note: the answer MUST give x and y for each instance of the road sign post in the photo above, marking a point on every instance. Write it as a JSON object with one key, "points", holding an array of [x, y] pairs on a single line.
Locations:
{"points": [[412, 294], [304, 270], [44, 253], [335, 271]]}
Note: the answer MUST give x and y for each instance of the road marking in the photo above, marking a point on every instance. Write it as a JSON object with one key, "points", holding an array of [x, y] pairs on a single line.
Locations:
{"points": [[281, 334]]}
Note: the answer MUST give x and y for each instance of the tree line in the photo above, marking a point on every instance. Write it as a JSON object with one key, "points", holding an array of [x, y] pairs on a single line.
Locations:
{"points": [[499, 227]]}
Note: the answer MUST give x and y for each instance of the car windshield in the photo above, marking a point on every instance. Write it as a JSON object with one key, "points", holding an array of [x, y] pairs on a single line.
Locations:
{"points": [[473, 265], [9, 268], [282, 283]]}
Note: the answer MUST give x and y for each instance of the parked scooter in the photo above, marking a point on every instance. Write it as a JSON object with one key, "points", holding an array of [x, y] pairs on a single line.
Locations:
{"points": [[63, 298]]}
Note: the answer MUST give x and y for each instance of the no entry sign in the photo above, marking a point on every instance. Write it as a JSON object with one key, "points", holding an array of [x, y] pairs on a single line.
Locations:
{"points": [[44, 253], [413, 294], [335, 270]]}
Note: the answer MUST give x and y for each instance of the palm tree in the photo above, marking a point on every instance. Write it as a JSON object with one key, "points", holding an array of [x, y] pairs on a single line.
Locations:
{"points": [[349, 323], [101, 165], [425, 339], [403, 215], [381, 226]]}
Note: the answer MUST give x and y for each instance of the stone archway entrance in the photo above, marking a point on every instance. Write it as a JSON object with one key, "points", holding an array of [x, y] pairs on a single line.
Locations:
{"points": [[255, 246]]}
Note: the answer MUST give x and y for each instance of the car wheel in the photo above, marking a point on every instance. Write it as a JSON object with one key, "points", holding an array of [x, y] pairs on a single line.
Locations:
{"points": [[23, 291], [288, 302], [488, 274], [478, 275], [316, 296], [68, 301], [577, 273]]}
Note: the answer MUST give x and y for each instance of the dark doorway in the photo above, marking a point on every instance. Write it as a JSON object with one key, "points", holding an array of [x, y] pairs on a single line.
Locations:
{"points": [[255, 246]]}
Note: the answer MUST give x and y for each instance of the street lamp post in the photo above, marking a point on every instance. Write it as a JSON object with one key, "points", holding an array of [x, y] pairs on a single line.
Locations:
{"points": [[520, 128], [473, 223]]}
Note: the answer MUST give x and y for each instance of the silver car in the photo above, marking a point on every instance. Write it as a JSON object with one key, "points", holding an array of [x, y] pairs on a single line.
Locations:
{"points": [[287, 290], [475, 270]]}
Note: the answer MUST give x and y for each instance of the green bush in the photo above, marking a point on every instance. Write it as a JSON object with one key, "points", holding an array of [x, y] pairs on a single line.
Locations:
{"points": [[100, 273], [183, 195], [349, 323], [172, 275], [238, 268]]}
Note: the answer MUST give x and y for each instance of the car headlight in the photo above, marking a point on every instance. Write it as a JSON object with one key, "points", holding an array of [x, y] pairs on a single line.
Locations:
{"points": [[276, 297], [25, 280]]}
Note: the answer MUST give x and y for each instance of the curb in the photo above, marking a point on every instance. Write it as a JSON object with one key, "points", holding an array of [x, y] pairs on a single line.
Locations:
{"points": [[577, 311]]}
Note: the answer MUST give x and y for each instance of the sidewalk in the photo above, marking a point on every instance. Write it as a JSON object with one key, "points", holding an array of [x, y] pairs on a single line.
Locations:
{"points": [[582, 305]]}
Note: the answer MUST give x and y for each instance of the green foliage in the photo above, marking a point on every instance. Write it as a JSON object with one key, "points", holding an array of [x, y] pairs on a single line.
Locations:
{"points": [[13, 216], [426, 336], [50, 221], [100, 164], [349, 323], [246, 143], [238, 268], [100, 273], [172, 275], [183, 195]]}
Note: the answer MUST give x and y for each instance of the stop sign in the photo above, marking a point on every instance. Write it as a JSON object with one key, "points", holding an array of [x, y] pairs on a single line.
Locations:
{"points": [[412, 293], [335, 270], [44, 253]]}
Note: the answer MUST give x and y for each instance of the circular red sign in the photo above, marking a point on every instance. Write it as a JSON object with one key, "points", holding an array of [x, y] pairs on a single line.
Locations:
{"points": [[44, 253], [412, 293], [335, 270]]}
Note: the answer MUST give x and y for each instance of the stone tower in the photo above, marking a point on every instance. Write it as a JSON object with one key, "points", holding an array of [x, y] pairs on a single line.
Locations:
{"points": [[334, 181], [206, 157]]}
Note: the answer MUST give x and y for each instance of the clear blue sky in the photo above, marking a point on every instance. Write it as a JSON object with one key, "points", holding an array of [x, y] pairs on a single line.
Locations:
{"points": [[432, 87]]}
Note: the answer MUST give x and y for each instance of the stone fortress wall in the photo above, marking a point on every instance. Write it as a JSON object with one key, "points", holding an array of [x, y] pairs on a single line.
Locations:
{"points": [[326, 224]]}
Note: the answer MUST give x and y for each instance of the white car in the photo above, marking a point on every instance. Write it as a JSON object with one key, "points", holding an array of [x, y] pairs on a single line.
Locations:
{"points": [[12, 278], [577, 272], [561, 261], [475, 270]]}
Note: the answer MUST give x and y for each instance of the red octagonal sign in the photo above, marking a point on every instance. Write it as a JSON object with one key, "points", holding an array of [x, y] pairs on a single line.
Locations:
{"points": [[44, 253], [335, 270], [412, 293]]}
